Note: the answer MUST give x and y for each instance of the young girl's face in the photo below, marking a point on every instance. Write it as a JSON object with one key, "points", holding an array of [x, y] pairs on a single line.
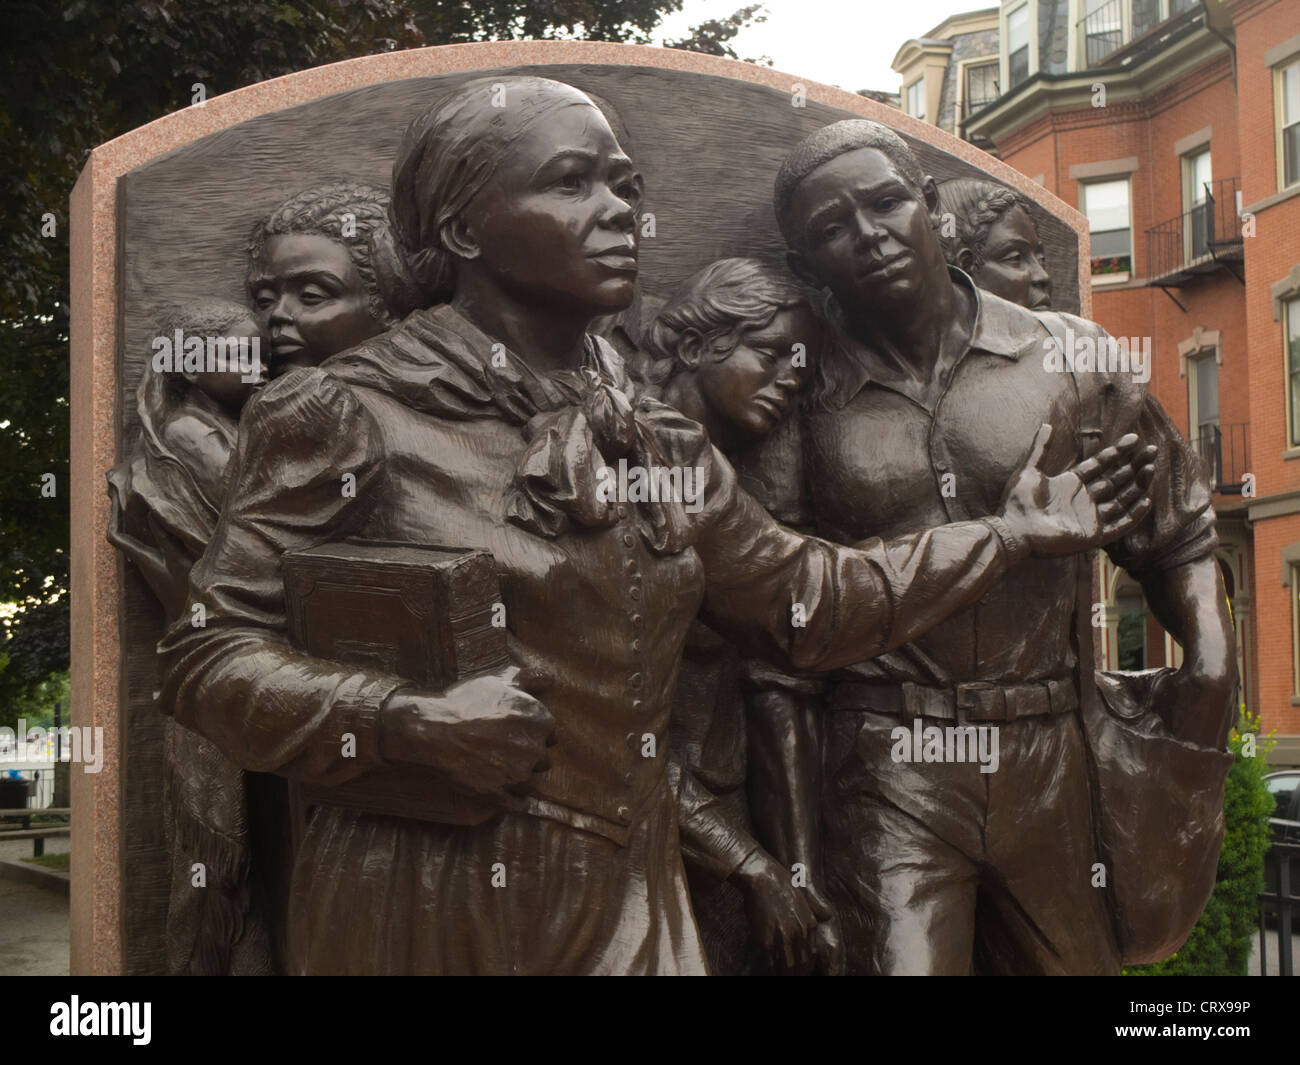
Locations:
{"points": [[310, 299], [755, 387], [233, 388]]}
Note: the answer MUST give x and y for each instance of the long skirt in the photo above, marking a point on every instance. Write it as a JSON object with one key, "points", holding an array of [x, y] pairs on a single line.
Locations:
{"points": [[516, 895]]}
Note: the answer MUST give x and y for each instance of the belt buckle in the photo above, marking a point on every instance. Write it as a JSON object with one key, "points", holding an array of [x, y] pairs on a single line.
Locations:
{"points": [[981, 701]]}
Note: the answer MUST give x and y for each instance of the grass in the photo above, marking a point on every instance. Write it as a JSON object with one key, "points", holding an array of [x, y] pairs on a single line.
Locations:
{"points": [[51, 861]]}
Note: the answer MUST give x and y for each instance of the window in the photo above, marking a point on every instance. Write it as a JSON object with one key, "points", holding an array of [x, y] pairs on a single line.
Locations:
{"points": [[1106, 205], [981, 85], [1131, 642], [1203, 410], [1295, 628], [1287, 87], [1197, 219], [1146, 15], [1291, 331], [916, 98], [1018, 45], [1103, 29]]}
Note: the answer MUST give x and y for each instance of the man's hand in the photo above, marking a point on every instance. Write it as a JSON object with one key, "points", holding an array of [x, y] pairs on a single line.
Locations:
{"points": [[828, 941], [782, 923], [1092, 503], [487, 736]]}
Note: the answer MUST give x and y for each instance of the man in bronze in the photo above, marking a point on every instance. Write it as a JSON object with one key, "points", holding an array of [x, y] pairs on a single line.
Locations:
{"points": [[933, 393]]}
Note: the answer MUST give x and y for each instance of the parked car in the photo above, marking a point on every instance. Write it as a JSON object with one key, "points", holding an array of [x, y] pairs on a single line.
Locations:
{"points": [[1284, 786], [1284, 827]]}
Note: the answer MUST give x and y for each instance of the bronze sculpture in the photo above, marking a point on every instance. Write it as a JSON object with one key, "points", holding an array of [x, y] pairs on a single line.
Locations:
{"points": [[484, 422], [935, 391], [986, 230], [322, 274], [739, 339]]}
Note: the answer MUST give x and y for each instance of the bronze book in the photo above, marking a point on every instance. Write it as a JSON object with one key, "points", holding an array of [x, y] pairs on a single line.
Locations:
{"points": [[422, 613]]}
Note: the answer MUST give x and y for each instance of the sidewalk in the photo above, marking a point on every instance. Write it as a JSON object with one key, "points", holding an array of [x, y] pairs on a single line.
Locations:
{"points": [[34, 930]]}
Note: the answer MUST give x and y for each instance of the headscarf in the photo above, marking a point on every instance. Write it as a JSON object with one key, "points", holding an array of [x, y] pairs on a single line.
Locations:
{"points": [[450, 152], [574, 421]]}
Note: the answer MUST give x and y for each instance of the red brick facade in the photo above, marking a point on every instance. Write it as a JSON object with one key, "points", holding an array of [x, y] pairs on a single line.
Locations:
{"points": [[1214, 73]]}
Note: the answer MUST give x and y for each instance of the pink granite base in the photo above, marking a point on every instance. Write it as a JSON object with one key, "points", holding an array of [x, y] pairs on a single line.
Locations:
{"points": [[97, 831]]}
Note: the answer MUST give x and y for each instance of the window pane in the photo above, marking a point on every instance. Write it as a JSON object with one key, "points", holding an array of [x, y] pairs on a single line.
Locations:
{"points": [[1293, 364], [1198, 175], [1146, 13], [1109, 242], [916, 98], [1291, 154], [1291, 94], [1018, 29], [1106, 205], [1207, 392], [981, 85], [1018, 69]]}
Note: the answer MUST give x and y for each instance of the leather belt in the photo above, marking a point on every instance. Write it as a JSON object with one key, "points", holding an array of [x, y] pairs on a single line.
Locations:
{"points": [[974, 701]]}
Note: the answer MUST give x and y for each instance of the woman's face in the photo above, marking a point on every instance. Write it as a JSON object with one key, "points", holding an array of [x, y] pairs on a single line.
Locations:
{"points": [[310, 300], [754, 388], [557, 222], [1013, 262]]}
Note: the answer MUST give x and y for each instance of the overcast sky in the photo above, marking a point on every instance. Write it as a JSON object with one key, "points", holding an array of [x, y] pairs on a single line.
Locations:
{"points": [[849, 43]]}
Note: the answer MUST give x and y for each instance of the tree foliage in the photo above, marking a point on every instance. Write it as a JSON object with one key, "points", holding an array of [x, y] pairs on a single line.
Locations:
{"points": [[75, 75]]}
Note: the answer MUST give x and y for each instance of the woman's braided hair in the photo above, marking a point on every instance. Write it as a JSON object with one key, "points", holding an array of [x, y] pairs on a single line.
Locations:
{"points": [[357, 217]]}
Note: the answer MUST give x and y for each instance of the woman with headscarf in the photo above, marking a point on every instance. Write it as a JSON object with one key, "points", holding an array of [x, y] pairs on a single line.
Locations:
{"points": [[493, 422]]}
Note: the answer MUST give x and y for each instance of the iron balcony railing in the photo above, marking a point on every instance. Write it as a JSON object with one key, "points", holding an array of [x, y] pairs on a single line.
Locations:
{"points": [[1223, 450], [1111, 26], [1206, 232]]}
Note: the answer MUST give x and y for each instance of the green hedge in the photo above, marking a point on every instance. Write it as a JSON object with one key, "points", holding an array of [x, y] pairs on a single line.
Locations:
{"points": [[1220, 944]]}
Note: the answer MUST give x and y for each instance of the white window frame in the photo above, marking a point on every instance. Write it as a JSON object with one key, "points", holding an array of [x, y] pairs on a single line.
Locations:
{"points": [[1279, 114], [1031, 63], [919, 86], [1290, 307], [1121, 277]]}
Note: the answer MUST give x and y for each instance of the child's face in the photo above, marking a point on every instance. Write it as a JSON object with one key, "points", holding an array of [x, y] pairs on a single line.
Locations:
{"points": [[1013, 262], [755, 387], [310, 300], [233, 388]]}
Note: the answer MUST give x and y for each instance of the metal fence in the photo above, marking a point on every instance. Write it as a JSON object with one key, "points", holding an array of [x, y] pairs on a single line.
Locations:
{"points": [[1279, 899]]}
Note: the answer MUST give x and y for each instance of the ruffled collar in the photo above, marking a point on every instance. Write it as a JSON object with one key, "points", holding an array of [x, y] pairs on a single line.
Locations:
{"points": [[575, 422]]}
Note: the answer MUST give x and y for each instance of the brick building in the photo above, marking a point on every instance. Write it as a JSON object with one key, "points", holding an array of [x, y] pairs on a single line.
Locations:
{"points": [[1174, 127]]}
